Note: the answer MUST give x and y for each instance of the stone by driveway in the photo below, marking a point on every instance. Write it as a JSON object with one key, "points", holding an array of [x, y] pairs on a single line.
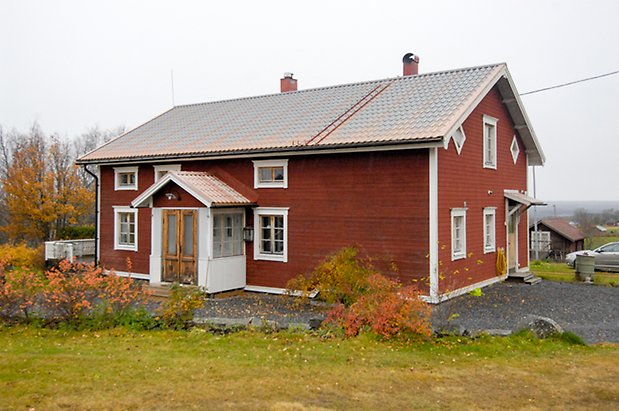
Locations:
{"points": [[590, 311]]}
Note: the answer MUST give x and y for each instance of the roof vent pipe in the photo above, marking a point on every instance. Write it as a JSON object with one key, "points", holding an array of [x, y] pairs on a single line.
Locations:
{"points": [[411, 64], [288, 83]]}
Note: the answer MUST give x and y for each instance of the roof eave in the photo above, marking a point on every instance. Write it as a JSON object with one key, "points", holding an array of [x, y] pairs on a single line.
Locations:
{"points": [[522, 123], [505, 84], [296, 150]]}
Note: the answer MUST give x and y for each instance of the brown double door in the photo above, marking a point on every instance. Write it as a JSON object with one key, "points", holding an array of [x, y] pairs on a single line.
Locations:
{"points": [[180, 246]]}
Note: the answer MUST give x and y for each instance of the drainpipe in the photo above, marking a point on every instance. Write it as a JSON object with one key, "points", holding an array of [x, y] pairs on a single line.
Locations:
{"points": [[96, 213]]}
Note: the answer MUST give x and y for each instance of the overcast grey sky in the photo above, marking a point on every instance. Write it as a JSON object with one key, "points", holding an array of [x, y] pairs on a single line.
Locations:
{"points": [[72, 64]]}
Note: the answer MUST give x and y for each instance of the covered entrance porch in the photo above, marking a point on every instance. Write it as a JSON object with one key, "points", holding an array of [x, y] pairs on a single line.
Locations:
{"points": [[197, 233], [516, 206]]}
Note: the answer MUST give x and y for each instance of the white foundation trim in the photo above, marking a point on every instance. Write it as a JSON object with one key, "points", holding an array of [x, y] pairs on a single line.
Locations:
{"points": [[276, 290], [463, 290], [137, 276]]}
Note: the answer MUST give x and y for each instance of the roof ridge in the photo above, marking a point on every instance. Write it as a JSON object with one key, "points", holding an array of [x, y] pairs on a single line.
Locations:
{"points": [[333, 86]]}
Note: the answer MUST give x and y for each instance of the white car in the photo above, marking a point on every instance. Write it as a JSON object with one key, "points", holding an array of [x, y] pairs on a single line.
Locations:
{"points": [[606, 257]]}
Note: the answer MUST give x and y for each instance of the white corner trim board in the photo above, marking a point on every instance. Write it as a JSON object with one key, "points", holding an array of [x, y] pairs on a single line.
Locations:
{"points": [[433, 221]]}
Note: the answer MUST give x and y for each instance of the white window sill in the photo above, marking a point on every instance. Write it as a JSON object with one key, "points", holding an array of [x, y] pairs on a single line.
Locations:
{"points": [[490, 166], [271, 257], [125, 247], [127, 188], [458, 257], [271, 185], [489, 250], [228, 256]]}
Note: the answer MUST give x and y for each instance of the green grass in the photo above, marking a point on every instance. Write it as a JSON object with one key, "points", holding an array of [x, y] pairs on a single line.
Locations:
{"points": [[119, 369], [561, 272], [595, 242]]}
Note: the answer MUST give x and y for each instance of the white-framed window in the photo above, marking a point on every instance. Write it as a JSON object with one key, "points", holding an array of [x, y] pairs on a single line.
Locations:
{"points": [[490, 137], [540, 241], [514, 149], [271, 234], [271, 174], [125, 178], [489, 230], [125, 228], [228, 233], [162, 170], [459, 138], [458, 233]]}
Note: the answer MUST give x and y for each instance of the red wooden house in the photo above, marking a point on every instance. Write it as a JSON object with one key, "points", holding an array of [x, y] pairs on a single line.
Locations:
{"points": [[426, 170]]}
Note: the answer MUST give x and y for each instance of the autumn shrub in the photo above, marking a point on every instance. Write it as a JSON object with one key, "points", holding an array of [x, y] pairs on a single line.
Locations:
{"points": [[386, 308], [19, 293], [73, 294], [22, 256], [71, 291], [341, 278], [177, 311]]}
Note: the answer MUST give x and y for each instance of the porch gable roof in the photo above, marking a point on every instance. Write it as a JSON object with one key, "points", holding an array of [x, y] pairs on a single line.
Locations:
{"points": [[204, 187], [522, 198]]}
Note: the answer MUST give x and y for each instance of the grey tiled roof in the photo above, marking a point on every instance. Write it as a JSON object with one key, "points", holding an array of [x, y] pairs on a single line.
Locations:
{"points": [[403, 109]]}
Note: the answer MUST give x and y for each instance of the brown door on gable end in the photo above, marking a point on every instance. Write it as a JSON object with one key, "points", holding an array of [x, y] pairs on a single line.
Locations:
{"points": [[179, 246]]}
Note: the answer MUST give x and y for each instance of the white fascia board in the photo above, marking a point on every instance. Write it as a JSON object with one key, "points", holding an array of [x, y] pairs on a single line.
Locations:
{"points": [[146, 195], [515, 98], [472, 105], [520, 106], [282, 153]]}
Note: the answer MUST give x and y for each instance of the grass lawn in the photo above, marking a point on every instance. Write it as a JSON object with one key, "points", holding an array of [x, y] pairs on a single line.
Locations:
{"points": [[120, 369], [561, 272], [595, 242]]}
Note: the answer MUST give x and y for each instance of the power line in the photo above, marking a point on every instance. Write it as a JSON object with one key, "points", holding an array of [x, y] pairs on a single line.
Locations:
{"points": [[570, 83]]}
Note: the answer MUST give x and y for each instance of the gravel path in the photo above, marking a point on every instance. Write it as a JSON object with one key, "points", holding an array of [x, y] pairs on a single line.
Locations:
{"points": [[590, 311], [279, 308]]}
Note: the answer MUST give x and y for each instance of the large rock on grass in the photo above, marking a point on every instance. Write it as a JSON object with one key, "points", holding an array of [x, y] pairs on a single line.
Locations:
{"points": [[542, 327]]}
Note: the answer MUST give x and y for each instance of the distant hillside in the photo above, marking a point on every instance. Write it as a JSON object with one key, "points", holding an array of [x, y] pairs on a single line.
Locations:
{"points": [[567, 208]]}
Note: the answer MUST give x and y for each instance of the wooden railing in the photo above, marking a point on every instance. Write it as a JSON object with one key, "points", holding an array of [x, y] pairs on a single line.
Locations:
{"points": [[69, 249]]}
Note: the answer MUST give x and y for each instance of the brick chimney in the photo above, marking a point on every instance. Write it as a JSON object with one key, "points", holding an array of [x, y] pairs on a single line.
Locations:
{"points": [[411, 64], [288, 83]]}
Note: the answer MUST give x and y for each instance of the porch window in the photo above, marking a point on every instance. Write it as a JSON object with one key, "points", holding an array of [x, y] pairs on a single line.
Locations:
{"points": [[125, 229], [271, 174], [490, 137], [272, 235], [125, 178], [227, 234], [458, 233], [489, 229]]}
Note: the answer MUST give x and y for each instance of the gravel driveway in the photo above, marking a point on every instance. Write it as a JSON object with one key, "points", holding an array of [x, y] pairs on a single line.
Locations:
{"points": [[590, 311], [278, 308]]}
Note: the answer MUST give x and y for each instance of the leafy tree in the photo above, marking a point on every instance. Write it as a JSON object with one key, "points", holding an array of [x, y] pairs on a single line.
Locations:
{"points": [[587, 224], [41, 189]]}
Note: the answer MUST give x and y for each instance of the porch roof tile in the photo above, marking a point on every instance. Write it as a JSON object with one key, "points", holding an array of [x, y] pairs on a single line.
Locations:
{"points": [[205, 187]]}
